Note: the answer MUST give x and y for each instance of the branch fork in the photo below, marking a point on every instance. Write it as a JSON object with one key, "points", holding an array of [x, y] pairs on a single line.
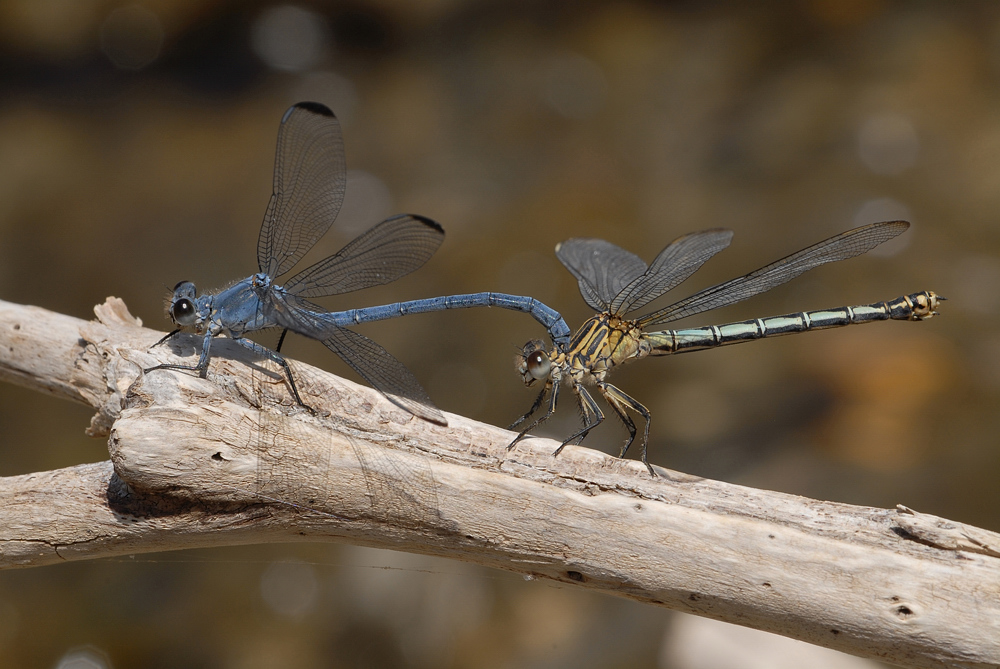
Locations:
{"points": [[231, 460]]}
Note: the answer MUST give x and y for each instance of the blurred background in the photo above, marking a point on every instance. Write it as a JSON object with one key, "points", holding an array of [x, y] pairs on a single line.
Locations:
{"points": [[136, 149]]}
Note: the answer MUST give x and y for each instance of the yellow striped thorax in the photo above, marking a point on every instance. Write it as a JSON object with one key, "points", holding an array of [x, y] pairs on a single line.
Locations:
{"points": [[600, 344]]}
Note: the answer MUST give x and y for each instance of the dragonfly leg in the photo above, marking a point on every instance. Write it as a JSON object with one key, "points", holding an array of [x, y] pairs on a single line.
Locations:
{"points": [[541, 419], [168, 336], [533, 409], [265, 352], [281, 340], [592, 417], [619, 409], [201, 367], [619, 401]]}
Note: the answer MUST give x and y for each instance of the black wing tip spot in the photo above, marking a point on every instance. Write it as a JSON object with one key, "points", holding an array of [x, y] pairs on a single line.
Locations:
{"points": [[430, 223], [314, 107]]}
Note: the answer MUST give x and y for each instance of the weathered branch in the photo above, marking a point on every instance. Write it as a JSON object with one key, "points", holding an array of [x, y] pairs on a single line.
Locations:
{"points": [[229, 459]]}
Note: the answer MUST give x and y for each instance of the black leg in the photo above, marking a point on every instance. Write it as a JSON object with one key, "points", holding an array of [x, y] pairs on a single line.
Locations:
{"points": [[622, 414], [281, 340], [165, 339], [619, 401], [533, 409], [187, 368], [538, 421], [592, 417], [201, 367]]}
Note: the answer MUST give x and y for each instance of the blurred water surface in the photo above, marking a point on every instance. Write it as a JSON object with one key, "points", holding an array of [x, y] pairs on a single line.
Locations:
{"points": [[136, 147]]}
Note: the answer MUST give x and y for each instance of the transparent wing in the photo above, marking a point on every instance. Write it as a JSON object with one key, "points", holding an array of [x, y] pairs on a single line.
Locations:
{"points": [[386, 374], [601, 268], [390, 250], [679, 260], [840, 247], [375, 365], [310, 178]]}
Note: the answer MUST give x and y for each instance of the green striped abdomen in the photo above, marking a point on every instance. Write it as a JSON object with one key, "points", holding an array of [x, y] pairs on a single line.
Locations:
{"points": [[917, 306]]}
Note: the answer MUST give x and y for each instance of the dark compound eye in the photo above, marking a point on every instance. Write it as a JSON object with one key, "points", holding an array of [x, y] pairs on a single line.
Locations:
{"points": [[183, 312], [538, 365]]}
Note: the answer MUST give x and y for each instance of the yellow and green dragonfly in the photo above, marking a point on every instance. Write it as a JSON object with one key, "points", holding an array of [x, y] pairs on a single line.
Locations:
{"points": [[615, 282]]}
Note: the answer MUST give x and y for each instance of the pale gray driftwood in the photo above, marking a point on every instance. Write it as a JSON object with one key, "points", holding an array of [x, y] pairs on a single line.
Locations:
{"points": [[229, 459]]}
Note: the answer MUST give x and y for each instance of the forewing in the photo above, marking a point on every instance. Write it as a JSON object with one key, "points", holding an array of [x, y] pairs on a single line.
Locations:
{"points": [[840, 247], [375, 365], [601, 268], [679, 260], [310, 177], [390, 250]]}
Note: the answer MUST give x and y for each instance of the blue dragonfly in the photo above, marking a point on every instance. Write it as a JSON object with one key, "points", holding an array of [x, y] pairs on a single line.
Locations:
{"points": [[310, 179]]}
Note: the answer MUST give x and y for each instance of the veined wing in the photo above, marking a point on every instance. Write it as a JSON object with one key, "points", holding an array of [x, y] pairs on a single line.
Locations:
{"points": [[310, 178], [840, 247], [386, 374], [390, 250], [375, 365], [601, 268], [679, 260]]}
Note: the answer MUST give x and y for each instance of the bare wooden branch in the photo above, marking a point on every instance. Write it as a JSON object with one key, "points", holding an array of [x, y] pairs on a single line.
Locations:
{"points": [[230, 459]]}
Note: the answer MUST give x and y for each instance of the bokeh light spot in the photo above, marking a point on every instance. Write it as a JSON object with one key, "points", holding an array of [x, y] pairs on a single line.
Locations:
{"points": [[888, 144], [131, 37], [87, 657], [574, 86], [289, 38]]}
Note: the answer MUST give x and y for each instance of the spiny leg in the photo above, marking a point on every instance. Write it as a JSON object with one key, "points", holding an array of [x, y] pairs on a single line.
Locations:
{"points": [[592, 417], [533, 409], [201, 367], [538, 421], [619, 401], [185, 368], [168, 336], [281, 340], [623, 415], [263, 351]]}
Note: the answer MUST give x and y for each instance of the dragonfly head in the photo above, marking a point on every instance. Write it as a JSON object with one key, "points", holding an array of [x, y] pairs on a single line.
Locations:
{"points": [[183, 307], [533, 362]]}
